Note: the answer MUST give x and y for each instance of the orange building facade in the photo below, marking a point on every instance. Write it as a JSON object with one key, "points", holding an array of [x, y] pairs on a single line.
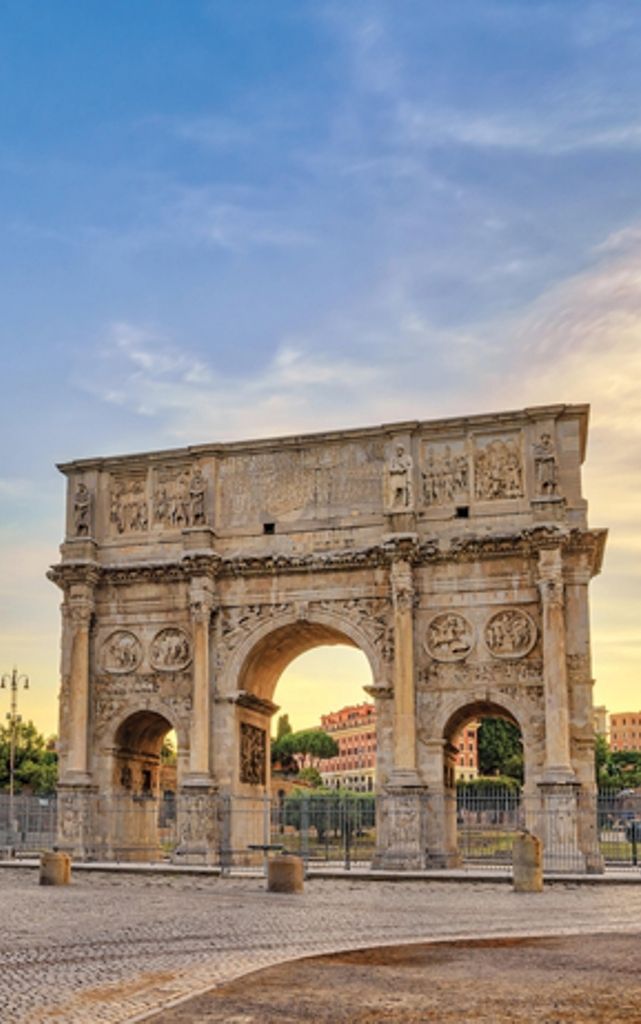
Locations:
{"points": [[354, 767], [625, 730]]}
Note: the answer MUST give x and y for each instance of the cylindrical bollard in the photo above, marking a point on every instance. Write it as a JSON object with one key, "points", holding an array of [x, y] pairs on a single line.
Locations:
{"points": [[527, 863], [285, 873], [55, 868]]}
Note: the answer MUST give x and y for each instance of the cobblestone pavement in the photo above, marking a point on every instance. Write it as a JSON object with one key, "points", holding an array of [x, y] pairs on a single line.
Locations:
{"points": [[115, 947]]}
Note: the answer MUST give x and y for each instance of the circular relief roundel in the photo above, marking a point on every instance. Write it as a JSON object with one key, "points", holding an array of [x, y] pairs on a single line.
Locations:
{"points": [[170, 650], [450, 637], [510, 634], [121, 652]]}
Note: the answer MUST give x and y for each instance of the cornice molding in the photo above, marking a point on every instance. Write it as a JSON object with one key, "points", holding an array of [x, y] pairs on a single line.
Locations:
{"points": [[526, 543]]}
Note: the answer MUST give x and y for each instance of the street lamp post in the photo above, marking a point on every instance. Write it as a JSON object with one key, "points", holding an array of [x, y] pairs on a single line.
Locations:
{"points": [[13, 683]]}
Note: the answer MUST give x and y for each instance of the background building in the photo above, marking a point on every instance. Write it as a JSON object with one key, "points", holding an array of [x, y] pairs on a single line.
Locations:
{"points": [[354, 729], [625, 730], [354, 767], [467, 762]]}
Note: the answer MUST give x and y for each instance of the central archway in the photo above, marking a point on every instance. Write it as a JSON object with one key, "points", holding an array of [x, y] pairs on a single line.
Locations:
{"points": [[266, 655]]}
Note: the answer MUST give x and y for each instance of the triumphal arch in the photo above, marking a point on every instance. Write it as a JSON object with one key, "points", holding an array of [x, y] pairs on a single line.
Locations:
{"points": [[454, 553]]}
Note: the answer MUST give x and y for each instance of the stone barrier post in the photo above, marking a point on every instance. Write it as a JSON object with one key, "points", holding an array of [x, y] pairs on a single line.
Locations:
{"points": [[285, 873], [55, 868], [527, 863]]}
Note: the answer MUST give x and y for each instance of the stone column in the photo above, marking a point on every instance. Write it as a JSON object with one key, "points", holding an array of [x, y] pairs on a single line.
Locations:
{"points": [[404, 771], [401, 807], [557, 767], [201, 604], [79, 608], [559, 786]]}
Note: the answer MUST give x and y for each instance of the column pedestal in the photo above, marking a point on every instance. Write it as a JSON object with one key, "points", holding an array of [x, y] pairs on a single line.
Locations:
{"points": [[558, 828], [77, 825], [198, 823], [401, 828]]}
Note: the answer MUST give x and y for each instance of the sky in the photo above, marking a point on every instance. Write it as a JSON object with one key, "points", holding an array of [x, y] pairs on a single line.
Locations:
{"points": [[225, 219]]}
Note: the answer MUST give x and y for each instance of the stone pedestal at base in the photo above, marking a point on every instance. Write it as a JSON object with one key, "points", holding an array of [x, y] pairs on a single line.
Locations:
{"points": [[527, 863], [55, 868], [401, 829], [199, 825], [77, 825], [558, 828], [285, 873]]}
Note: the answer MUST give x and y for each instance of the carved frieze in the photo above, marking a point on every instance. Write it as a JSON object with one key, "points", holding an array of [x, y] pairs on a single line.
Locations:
{"points": [[370, 615], [253, 754], [450, 637], [121, 652], [128, 506], [237, 623], [179, 498], [170, 650], [498, 469], [579, 668], [115, 696], [446, 475], [437, 675], [510, 633]]}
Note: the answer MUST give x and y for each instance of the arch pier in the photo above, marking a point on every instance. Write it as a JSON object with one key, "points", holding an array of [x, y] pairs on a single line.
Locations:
{"points": [[455, 554]]}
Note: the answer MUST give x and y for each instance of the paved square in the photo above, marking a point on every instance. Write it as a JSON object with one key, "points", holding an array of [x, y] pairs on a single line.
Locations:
{"points": [[111, 947]]}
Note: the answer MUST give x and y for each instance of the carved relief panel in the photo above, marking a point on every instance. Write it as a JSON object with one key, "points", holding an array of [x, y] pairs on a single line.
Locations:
{"points": [[179, 497], [128, 505], [510, 634], [445, 474], [253, 754], [498, 468], [170, 650], [121, 652], [450, 637]]}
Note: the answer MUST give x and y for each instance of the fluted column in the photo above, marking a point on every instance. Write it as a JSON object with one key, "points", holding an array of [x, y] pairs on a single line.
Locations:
{"points": [[79, 608], [558, 766], [201, 604], [404, 690]]}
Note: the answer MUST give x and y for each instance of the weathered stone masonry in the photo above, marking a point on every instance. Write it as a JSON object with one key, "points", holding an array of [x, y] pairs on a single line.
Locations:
{"points": [[455, 554]]}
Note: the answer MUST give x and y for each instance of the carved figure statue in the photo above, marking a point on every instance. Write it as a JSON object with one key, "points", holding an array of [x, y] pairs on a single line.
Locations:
{"points": [[400, 480], [545, 466], [197, 498], [82, 511]]}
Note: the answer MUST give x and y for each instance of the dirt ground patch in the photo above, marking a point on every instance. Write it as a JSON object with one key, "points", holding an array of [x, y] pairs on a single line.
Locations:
{"points": [[586, 979]]}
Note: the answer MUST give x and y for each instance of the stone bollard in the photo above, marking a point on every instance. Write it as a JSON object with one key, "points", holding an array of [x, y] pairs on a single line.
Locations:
{"points": [[285, 873], [55, 868], [527, 863]]}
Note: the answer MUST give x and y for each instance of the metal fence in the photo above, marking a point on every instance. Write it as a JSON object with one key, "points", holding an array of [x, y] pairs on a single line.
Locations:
{"points": [[323, 829]]}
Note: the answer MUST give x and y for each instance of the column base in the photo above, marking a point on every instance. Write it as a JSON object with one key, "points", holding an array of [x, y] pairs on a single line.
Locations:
{"points": [[401, 828]]}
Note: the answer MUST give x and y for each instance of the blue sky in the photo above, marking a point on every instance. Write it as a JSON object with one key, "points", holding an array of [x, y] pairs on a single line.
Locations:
{"points": [[238, 218]]}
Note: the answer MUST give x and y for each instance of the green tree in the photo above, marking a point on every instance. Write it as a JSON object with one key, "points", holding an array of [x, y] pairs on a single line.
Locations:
{"points": [[168, 754], [500, 748], [313, 745], [35, 763], [283, 727]]}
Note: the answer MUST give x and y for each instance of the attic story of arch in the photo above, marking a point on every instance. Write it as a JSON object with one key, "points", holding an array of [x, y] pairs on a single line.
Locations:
{"points": [[456, 554]]}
